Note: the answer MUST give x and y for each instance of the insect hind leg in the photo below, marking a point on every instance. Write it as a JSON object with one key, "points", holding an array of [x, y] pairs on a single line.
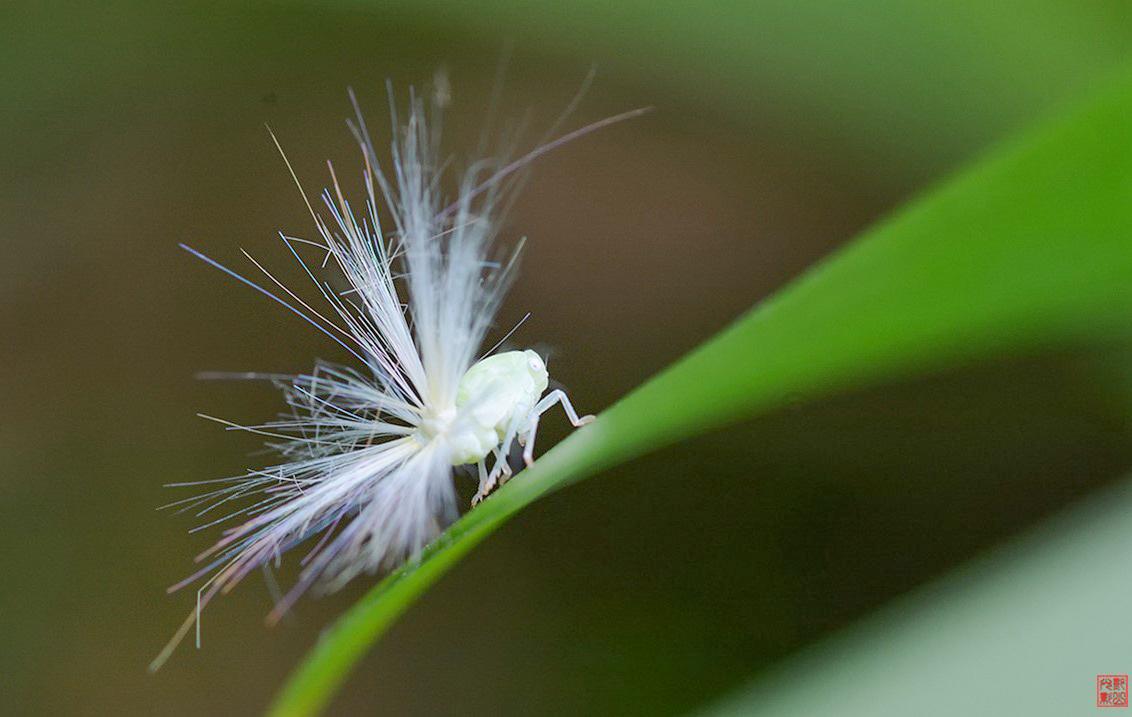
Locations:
{"points": [[500, 471], [490, 480], [481, 468]]}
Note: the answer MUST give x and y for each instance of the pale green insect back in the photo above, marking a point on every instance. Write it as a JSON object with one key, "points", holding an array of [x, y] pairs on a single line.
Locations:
{"points": [[496, 394], [498, 400]]}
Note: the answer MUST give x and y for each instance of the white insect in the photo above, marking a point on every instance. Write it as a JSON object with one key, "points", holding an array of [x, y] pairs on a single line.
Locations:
{"points": [[367, 452]]}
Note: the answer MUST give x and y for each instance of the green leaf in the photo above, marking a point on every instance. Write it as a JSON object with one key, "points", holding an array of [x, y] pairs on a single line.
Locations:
{"points": [[1031, 246], [1022, 631]]}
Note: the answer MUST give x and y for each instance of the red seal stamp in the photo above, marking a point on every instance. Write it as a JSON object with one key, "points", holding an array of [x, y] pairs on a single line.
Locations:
{"points": [[1112, 690]]}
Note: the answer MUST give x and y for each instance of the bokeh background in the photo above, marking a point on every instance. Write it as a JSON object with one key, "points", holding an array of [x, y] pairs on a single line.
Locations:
{"points": [[126, 128]]}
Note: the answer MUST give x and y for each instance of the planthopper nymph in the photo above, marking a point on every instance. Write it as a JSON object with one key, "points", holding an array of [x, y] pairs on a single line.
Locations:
{"points": [[407, 280]]}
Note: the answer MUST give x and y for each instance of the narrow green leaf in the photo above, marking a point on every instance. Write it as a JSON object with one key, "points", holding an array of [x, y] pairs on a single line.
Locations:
{"points": [[1033, 245]]}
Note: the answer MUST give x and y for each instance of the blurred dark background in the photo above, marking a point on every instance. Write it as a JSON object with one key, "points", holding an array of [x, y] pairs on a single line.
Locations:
{"points": [[126, 128]]}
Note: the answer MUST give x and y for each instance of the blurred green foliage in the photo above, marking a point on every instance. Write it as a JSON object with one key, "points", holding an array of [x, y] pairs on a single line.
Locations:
{"points": [[1024, 630], [917, 82]]}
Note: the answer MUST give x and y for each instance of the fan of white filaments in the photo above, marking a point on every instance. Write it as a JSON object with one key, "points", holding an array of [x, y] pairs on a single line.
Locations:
{"points": [[354, 471]]}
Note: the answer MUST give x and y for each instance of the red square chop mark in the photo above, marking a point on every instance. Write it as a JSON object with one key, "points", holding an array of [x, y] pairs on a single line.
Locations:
{"points": [[1112, 690]]}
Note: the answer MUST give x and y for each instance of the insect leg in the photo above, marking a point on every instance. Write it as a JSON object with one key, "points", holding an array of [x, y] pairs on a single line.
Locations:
{"points": [[481, 466], [559, 396], [486, 482], [555, 396], [490, 481], [505, 449], [532, 429]]}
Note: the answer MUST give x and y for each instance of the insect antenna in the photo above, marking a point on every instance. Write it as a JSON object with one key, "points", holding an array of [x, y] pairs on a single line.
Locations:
{"points": [[505, 337]]}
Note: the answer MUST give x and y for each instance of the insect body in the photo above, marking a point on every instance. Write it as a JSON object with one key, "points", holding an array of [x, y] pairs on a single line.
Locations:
{"points": [[497, 402], [494, 397]]}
